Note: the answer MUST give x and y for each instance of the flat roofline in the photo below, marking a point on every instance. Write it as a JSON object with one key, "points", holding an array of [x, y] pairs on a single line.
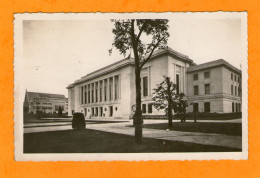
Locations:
{"points": [[131, 62], [211, 64]]}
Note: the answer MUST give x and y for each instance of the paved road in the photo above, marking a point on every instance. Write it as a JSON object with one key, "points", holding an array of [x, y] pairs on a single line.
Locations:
{"points": [[123, 128]]}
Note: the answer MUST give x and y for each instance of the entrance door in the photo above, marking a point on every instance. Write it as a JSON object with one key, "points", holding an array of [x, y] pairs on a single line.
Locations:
{"points": [[85, 112], [101, 111], [110, 111]]}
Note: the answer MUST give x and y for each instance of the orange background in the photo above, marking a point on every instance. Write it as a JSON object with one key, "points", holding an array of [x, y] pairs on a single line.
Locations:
{"points": [[10, 168]]}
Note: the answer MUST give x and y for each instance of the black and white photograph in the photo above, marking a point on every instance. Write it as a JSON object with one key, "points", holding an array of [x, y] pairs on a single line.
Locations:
{"points": [[130, 86]]}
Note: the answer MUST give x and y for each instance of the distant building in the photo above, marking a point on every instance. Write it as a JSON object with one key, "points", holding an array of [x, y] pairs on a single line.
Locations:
{"points": [[110, 91], [45, 102]]}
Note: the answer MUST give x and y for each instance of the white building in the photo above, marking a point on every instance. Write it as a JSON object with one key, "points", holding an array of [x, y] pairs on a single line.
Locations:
{"points": [[110, 91], [45, 102]]}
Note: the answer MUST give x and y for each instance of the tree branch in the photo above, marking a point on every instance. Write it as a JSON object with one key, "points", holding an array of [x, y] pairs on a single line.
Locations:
{"points": [[141, 30], [150, 55]]}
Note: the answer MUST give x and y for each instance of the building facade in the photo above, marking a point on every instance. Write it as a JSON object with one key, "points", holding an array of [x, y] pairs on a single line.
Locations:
{"points": [[214, 87], [45, 102], [110, 91]]}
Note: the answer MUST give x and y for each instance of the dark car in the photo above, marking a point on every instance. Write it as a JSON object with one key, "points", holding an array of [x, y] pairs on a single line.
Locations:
{"points": [[78, 121]]}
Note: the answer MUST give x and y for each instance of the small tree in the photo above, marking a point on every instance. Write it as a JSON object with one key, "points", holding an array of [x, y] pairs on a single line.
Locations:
{"points": [[131, 35], [180, 106], [60, 111], [164, 98]]}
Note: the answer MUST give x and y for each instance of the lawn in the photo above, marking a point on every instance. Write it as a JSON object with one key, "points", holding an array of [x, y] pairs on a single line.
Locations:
{"points": [[204, 127], [92, 141]]}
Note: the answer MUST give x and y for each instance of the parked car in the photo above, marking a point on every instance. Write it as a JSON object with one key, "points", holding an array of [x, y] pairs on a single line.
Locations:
{"points": [[78, 121]]}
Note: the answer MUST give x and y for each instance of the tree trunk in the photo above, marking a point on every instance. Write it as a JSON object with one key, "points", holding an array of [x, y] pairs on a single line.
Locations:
{"points": [[138, 121], [169, 104]]}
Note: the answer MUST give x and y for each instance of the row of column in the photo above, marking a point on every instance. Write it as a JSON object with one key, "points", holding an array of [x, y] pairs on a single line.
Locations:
{"points": [[107, 89]]}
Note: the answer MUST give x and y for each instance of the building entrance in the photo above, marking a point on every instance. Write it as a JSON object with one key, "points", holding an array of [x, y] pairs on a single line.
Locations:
{"points": [[110, 111]]}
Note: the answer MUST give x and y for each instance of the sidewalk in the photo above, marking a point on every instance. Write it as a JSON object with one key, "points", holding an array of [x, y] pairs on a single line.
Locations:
{"points": [[192, 137]]}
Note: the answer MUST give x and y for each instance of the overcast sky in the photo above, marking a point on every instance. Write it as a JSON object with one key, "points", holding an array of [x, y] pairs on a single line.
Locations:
{"points": [[58, 52]]}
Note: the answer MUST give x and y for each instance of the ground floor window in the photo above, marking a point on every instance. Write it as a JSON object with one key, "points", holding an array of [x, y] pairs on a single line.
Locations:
{"points": [[207, 107], [233, 107], [150, 108], [144, 108], [195, 107]]}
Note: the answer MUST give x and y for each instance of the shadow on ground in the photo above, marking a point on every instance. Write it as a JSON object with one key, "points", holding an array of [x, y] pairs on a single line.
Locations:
{"points": [[204, 127], [92, 141]]}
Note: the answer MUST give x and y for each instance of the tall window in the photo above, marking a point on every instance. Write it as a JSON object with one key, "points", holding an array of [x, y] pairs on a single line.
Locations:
{"points": [[206, 75], [110, 89], [145, 86], [231, 76], [207, 88], [177, 83], [231, 89], [116, 91], [82, 95], [235, 91], [105, 90], [92, 93], [85, 89], [235, 78], [88, 93], [233, 107], [96, 93], [100, 91], [196, 90], [195, 77]]}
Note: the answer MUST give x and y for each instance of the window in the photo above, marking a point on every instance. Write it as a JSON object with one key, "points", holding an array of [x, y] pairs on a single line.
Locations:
{"points": [[105, 90], [145, 86], [96, 92], [195, 107], [206, 75], [233, 107], [100, 92], [207, 88], [116, 91], [92, 93], [231, 76], [177, 83], [150, 108], [235, 91], [110, 89], [235, 78], [196, 90], [144, 108], [195, 77], [89, 94], [85, 88], [82, 95], [231, 89], [207, 107]]}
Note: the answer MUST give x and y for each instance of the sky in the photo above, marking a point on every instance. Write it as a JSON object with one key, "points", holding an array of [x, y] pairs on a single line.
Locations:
{"points": [[58, 52]]}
